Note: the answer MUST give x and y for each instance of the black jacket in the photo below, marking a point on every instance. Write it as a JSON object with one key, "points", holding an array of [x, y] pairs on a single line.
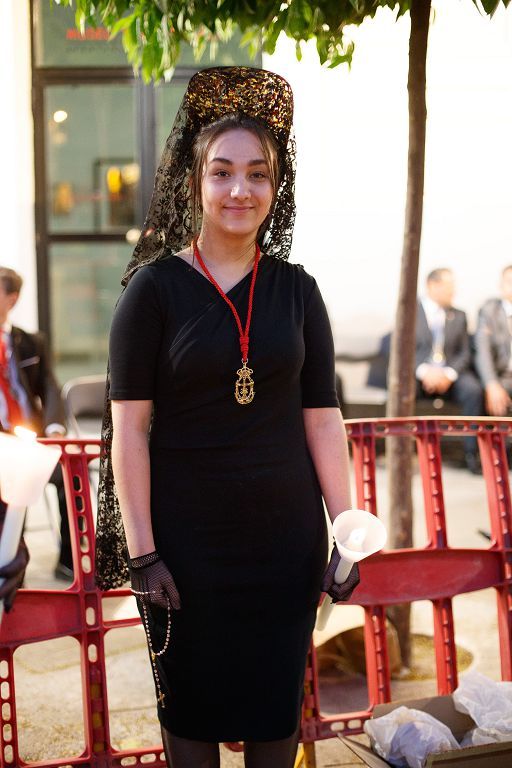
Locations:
{"points": [[37, 379]]}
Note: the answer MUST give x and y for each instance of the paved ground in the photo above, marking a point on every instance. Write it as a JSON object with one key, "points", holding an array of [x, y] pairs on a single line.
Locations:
{"points": [[48, 686]]}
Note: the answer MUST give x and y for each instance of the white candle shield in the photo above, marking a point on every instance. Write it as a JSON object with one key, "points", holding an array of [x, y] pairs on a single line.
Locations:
{"points": [[25, 468], [357, 534]]}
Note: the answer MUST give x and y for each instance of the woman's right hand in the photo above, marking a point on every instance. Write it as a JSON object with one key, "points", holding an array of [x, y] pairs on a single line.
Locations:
{"points": [[339, 592], [152, 582]]}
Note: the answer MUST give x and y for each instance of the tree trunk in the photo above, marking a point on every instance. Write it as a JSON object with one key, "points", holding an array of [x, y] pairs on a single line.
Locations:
{"points": [[401, 383]]}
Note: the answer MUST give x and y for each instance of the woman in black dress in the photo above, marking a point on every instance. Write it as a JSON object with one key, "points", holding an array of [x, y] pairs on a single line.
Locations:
{"points": [[221, 352]]}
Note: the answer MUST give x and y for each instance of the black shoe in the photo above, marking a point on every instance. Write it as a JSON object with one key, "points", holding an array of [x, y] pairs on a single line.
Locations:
{"points": [[63, 572], [473, 463]]}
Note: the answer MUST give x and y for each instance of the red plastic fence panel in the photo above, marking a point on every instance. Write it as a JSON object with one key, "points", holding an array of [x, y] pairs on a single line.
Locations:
{"points": [[386, 578], [76, 612], [435, 572]]}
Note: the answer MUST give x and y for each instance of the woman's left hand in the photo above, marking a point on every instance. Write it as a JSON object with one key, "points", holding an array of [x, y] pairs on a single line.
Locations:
{"points": [[152, 582], [343, 591]]}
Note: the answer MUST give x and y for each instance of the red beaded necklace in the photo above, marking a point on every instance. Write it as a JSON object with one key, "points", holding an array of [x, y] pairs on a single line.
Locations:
{"points": [[244, 386]]}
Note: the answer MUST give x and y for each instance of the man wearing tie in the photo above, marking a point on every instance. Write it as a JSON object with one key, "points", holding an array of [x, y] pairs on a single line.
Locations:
{"points": [[493, 348], [443, 356], [30, 396]]}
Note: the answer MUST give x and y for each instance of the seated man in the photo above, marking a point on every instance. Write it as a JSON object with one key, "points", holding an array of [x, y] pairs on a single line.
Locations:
{"points": [[443, 356], [493, 348], [30, 395]]}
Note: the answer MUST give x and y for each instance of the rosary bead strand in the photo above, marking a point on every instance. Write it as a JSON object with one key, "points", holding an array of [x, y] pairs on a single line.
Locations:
{"points": [[152, 653]]}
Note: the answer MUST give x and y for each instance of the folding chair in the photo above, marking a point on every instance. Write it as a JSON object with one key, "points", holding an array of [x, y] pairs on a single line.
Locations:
{"points": [[83, 399]]}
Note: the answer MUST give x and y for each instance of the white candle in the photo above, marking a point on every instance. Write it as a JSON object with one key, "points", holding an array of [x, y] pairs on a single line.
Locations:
{"points": [[24, 433], [25, 468], [353, 543], [357, 534]]}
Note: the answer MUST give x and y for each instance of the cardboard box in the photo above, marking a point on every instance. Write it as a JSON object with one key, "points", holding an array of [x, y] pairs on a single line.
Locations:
{"points": [[441, 707]]}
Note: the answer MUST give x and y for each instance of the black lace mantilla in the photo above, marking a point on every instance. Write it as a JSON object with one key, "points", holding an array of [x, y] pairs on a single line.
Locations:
{"points": [[211, 94]]}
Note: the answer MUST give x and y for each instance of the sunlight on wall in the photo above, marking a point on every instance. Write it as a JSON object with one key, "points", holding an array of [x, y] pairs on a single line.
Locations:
{"points": [[17, 168], [351, 128]]}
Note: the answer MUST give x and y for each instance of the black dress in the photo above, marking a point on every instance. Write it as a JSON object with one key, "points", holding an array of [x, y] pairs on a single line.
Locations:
{"points": [[236, 507]]}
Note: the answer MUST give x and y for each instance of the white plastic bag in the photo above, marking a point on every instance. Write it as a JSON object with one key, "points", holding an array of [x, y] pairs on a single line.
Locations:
{"points": [[405, 737], [479, 736], [489, 704]]}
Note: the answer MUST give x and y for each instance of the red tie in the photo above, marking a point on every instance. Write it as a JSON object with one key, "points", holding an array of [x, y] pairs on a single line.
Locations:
{"points": [[14, 413]]}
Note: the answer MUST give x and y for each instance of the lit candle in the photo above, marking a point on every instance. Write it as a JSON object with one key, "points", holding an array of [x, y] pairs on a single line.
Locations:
{"points": [[24, 433], [25, 468], [356, 540]]}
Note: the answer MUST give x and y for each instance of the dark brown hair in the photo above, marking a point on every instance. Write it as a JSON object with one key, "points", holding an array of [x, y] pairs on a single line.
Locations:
{"points": [[10, 279], [202, 145]]}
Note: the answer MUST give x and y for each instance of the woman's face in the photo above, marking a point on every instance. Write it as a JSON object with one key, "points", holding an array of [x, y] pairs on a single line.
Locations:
{"points": [[236, 190]]}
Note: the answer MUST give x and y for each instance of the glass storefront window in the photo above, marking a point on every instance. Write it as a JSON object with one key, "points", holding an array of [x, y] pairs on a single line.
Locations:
{"points": [[85, 283], [92, 168]]}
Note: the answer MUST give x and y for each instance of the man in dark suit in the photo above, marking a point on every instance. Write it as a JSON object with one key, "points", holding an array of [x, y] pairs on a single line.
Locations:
{"points": [[493, 341], [30, 395], [443, 355]]}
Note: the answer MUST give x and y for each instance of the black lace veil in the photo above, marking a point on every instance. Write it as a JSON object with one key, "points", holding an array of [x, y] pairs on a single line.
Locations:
{"points": [[211, 95]]}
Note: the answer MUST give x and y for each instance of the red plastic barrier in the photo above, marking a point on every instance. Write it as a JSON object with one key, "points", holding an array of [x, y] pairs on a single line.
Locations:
{"points": [[435, 572], [387, 578], [77, 612]]}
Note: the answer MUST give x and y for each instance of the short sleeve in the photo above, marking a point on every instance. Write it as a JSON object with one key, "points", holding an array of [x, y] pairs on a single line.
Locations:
{"points": [[318, 375], [135, 338]]}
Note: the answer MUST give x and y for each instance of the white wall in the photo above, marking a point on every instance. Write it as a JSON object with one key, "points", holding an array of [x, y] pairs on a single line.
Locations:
{"points": [[351, 128], [17, 163]]}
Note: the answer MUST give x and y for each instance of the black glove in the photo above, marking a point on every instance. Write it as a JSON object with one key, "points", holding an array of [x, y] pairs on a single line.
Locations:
{"points": [[152, 582], [13, 573], [344, 590]]}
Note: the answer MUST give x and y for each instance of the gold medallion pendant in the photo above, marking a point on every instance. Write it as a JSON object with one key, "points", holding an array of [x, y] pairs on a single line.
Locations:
{"points": [[244, 386]]}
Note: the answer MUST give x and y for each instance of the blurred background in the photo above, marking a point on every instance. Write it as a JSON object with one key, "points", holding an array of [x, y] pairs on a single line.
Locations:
{"points": [[81, 138]]}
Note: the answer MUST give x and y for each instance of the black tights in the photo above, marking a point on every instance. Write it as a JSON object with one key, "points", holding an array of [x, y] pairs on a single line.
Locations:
{"points": [[185, 753]]}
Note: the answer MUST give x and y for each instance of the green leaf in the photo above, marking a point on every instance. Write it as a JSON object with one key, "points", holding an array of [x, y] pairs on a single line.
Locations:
{"points": [[80, 21], [214, 47], [180, 20], [248, 36], [163, 5], [121, 25], [489, 6], [254, 47], [199, 46], [148, 62], [130, 39], [321, 48]]}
